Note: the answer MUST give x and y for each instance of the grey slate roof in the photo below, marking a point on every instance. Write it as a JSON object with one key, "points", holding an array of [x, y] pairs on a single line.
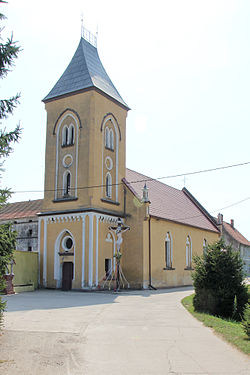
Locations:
{"points": [[83, 72]]}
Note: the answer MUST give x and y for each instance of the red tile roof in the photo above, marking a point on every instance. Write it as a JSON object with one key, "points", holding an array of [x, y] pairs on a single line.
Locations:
{"points": [[18, 210], [235, 234], [169, 203]]}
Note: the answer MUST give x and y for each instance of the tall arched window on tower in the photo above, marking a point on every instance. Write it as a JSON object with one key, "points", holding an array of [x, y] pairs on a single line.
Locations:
{"points": [[108, 185], [66, 183], [65, 135], [188, 253], [107, 138], [111, 139], [168, 251], [71, 135]]}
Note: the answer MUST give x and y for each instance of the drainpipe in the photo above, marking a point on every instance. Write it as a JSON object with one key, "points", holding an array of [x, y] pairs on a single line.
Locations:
{"points": [[150, 286]]}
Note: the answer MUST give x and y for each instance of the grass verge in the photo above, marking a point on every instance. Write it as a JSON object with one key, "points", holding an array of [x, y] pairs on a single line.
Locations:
{"points": [[230, 330]]}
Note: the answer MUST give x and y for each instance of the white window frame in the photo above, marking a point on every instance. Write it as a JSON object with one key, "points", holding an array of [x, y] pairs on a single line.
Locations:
{"points": [[71, 135], [168, 251], [111, 139], [107, 137], [108, 187], [188, 252], [65, 183], [65, 135], [204, 246]]}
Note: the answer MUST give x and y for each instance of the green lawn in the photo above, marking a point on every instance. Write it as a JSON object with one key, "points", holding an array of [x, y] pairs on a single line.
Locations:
{"points": [[230, 330]]}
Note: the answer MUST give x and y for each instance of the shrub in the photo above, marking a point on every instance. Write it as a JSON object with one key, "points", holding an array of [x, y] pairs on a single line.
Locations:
{"points": [[218, 282], [246, 320]]}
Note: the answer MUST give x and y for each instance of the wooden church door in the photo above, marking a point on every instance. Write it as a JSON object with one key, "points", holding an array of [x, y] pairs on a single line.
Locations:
{"points": [[67, 275]]}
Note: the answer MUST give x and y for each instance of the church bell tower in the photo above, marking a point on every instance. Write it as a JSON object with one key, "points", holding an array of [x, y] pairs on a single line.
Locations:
{"points": [[84, 163]]}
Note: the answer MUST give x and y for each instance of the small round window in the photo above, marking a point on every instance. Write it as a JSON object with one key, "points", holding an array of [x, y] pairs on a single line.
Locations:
{"points": [[67, 243]]}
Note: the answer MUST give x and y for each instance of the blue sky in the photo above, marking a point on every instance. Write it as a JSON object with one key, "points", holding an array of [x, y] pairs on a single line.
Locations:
{"points": [[182, 67]]}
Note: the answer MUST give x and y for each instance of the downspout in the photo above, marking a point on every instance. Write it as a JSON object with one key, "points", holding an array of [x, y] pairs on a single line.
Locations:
{"points": [[150, 286]]}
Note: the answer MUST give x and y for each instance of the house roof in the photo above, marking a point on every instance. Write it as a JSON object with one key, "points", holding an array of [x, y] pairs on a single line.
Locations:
{"points": [[169, 203], [85, 71], [235, 234], [19, 210]]}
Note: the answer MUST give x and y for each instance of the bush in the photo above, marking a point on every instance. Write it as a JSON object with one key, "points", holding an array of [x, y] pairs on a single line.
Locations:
{"points": [[246, 320], [218, 282]]}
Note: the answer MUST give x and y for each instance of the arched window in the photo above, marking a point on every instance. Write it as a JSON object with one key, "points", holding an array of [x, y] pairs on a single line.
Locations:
{"points": [[108, 185], [66, 183], [188, 253], [204, 246], [168, 251], [107, 138], [65, 134], [71, 135], [111, 139]]}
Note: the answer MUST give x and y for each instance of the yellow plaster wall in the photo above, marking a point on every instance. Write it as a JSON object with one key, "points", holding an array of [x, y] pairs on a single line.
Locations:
{"points": [[91, 107], [179, 233], [132, 249], [26, 268], [53, 231]]}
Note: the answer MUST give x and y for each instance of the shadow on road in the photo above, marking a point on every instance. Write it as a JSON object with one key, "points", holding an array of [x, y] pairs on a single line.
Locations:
{"points": [[44, 299]]}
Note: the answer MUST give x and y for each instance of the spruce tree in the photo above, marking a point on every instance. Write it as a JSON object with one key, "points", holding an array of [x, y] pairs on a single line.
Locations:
{"points": [[8, 53], [218, 282]]}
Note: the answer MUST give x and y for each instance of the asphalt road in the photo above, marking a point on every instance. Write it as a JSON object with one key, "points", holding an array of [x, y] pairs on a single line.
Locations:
{"points": [[51, 332]]}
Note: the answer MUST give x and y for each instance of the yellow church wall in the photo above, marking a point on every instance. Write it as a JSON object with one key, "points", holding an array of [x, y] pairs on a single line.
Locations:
{"points": [[178, 276], [82, 104], [132, 250], [53, 231]]}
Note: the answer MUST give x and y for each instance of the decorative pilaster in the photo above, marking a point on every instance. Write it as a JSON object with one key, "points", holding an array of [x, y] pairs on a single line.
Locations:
{"points": [[45, 253], [91, 217], [83, 250], [96, 249]]}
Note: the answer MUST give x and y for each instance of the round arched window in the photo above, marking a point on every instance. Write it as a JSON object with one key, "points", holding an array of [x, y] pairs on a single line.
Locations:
{"points": [[67, 243]]}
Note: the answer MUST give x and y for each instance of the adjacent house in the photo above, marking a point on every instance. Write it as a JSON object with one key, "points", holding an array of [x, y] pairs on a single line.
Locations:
{"points": [[23, 216], [233, 237]]}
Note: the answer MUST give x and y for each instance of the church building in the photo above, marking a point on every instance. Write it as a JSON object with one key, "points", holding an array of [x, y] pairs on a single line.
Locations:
{"points": [[87, 188]]}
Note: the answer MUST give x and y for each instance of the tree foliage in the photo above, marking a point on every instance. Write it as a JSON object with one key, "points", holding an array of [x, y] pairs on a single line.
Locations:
{"points": [[218, 282], [8, 53]]}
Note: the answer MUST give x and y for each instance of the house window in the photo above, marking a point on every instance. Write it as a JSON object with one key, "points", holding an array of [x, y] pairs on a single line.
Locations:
{"points": [[29, 232], [71, 135], [108, 185], [204, 246], [168, 251], [65, 134], [66, 183], [29, 248], [188, 253], [108, 268]]}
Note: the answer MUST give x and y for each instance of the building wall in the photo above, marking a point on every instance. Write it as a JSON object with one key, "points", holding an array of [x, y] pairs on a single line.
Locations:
{"points": [[27, 234], [92, 109], [133, 249], [178, 275], [26, 268]]}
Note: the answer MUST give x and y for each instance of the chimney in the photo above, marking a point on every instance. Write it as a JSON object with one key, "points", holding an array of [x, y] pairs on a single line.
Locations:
{"points": [[232, 223], [220, 219], [145, 194]]}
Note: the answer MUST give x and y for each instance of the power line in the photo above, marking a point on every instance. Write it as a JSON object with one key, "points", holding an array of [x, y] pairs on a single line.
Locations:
{"points": [[219, 209], [147, 179]]}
